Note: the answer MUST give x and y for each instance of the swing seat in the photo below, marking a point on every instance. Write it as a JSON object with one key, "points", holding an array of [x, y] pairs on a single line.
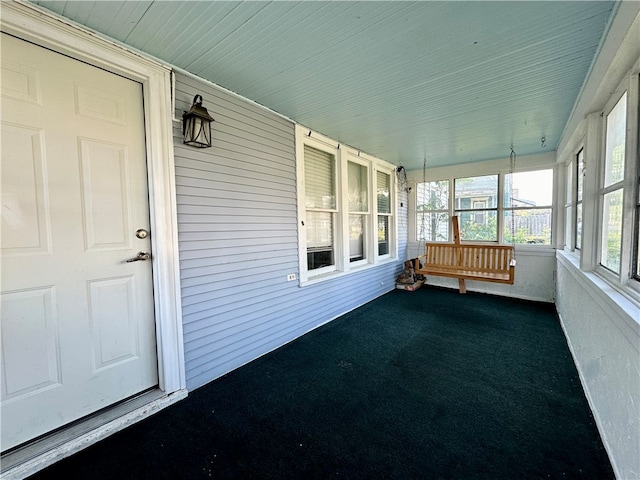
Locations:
{"points": [[467, 261]]}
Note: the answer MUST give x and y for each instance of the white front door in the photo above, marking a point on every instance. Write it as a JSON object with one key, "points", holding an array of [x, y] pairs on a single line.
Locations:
{"points": [[78, 327]]}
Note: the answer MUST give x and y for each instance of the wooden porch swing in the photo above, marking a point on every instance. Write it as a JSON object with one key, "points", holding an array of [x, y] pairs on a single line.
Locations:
{"points": [[467, 261]]}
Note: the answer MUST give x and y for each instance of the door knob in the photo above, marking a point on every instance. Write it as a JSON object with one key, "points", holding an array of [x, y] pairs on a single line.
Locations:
{"points": [[139, 257]]}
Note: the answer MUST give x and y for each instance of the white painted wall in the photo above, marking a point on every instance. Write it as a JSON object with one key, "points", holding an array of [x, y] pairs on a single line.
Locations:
{"points": [[603, 332]]}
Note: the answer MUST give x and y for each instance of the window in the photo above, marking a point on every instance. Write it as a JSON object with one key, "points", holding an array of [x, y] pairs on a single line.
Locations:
{"points": [[358, 210], [476, 204], [320, 204], [346, 206], [525, 208], [432, 208], [383, 182], [528, 198], [605, 188], [579, 189], [612, 190], [569, 220]]}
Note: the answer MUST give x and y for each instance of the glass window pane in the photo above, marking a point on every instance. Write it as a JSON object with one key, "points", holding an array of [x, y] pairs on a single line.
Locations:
{"points": [[319, 239], [433, 227], [356, 237], [580, 174], [529, 189], [476, 189], [569, 236], [433, 196], [580, 171], [384, 193], [531, 226], [579, 226], [357, 187], [612, 230], [478, 225], [615, 143], [383, 235], [432, 206], [319, 177], [570, 184]]}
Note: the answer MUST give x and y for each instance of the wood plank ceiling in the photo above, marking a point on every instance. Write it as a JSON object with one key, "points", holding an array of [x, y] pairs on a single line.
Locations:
{"points": [[452, 81]]}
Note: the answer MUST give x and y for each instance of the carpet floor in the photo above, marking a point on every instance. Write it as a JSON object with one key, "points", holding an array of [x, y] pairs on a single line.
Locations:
{"points": [[413, 385]]}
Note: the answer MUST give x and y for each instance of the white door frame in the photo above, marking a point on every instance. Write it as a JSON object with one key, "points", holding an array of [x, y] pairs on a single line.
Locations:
{"points": [[34, 24]]}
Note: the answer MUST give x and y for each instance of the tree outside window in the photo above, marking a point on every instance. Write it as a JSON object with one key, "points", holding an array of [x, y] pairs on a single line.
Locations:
{"points": [[432, 211]]}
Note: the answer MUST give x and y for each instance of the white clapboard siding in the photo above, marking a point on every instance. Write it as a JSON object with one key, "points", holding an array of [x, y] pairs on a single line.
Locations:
{"points": [[238, 240]]}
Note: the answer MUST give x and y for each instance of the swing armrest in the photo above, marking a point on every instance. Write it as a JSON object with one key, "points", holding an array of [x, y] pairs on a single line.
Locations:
{"points": [[416, 263]]}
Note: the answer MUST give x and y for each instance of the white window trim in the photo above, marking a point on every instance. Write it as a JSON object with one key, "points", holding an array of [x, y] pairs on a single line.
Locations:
{"points": [[414, 228], [590, 136], [368, 246], [623, 279], [575, 163], [343, 153], [33, 24], [393, 217]]}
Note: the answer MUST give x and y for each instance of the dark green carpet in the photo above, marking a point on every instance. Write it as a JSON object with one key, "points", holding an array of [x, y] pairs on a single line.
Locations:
{"points": [[422, 385]]}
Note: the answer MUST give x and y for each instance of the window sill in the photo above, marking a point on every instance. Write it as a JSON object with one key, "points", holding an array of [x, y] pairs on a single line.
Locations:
{"points": [[539, 250], [337, 274]]}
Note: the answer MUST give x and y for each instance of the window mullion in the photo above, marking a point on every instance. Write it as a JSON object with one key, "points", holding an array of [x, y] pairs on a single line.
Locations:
{"points": [[501, 208], [590, 194]]}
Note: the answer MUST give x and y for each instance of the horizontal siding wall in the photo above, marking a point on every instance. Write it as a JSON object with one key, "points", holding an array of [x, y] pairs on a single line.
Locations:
{"points": [[237, 227]]}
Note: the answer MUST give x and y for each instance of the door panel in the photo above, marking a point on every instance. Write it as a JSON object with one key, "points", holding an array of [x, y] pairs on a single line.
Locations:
{"points": [[78, 326], [26, 223], [105, 197]]}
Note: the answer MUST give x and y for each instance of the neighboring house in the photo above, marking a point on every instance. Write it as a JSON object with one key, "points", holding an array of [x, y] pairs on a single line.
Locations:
{"points": [[236, 270]]}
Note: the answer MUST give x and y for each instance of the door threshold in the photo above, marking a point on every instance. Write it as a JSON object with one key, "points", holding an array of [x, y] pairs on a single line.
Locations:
{"points": [[44, 451]]}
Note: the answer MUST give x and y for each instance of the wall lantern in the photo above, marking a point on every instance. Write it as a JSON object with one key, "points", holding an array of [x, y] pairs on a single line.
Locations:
{"points": [[196, 125]]}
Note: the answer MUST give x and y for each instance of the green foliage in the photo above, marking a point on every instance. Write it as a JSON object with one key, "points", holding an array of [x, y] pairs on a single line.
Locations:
{"points": [[470, 230]]}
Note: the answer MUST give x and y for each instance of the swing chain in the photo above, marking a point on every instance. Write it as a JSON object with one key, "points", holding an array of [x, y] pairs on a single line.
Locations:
{"points": [[423, 224], [512, 167]]}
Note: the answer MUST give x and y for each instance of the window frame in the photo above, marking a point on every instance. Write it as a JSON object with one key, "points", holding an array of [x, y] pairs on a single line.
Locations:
{"points": [[512, 208], [447, 211], [343, 154], [604, 190], [367, 250], [485, 212], [627, 278], [337, 227], [391, 216], [578, 197]]}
